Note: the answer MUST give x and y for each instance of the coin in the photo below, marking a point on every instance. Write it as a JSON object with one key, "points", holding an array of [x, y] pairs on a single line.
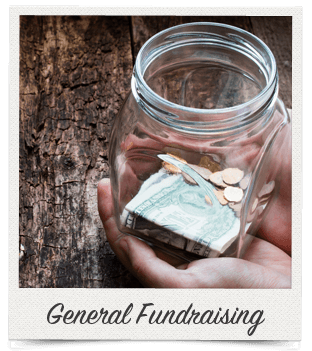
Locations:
{"points": [[232, 175], [202, 171], [216, 178], [171, 168], [233, 194], [220, 196], [207, 198], [188, 179], [237, 213], [177, 158], [206, 162], [244, 182], [235, 206]]}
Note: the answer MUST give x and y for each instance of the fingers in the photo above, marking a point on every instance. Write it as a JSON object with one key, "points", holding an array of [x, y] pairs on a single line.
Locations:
{"points": [[134, 254], [148, 268], [105, 200], [276, 225], [267, 255], [106, 211], [153, 272]]}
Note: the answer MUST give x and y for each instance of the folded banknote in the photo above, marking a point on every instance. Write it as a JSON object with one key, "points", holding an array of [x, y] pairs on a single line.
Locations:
{"points": [[176, 213]]}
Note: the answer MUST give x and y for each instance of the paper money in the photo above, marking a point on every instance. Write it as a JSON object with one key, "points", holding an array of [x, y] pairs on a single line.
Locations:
{"points": [[176, 213]]}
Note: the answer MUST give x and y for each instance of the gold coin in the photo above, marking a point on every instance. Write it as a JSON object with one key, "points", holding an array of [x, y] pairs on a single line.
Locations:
{"points": [[171, 168], [220, 196], [232, 175], [177, 158], [206, 162]]}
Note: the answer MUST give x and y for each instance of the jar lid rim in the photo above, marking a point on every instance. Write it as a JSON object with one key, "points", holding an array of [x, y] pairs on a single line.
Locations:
{"points": [[236, 108]]}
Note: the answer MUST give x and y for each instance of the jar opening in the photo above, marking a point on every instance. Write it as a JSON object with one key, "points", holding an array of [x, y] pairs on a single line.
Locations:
{"points": [[199, 74]]}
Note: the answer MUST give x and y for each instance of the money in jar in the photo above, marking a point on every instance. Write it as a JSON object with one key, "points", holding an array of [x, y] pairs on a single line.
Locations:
{"points": [[194, 157]]}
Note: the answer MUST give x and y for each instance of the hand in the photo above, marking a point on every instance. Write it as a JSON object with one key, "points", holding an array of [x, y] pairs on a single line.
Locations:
{"points": [[266, 264], [263, 266]]}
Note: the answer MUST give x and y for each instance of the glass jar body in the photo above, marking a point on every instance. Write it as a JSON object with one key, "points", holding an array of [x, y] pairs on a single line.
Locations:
{"points": [[165, 158]]}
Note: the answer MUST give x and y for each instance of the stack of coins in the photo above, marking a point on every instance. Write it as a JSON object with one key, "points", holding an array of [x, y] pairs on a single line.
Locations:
{"points": [[228, 187], [229, 183]]}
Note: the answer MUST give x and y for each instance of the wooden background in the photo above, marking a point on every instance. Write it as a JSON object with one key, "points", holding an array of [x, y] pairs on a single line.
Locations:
{"points": [[74, 74]]}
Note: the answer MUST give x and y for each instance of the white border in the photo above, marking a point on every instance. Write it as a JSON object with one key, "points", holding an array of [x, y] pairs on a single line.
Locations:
{"points": [[28, 307]]}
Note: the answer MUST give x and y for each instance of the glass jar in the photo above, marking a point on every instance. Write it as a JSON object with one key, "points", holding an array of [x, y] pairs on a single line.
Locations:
{"points": [[196, 149]]}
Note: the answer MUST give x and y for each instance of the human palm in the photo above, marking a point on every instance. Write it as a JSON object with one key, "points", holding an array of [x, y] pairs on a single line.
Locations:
{"points": [[263, 266], [266, 263]]}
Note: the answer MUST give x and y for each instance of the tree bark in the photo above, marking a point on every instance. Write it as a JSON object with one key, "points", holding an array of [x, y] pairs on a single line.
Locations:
{"points": [[276, 32], [74, 74]]}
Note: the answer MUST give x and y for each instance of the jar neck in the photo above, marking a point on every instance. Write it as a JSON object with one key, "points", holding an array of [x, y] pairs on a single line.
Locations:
{"points": [[206, 43]]}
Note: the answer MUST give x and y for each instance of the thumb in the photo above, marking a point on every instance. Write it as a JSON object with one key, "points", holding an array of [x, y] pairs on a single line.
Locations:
{"points": [[148, 268]]}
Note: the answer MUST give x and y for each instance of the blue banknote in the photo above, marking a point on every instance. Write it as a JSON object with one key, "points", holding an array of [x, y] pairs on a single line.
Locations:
{"points": [[176, 213]]}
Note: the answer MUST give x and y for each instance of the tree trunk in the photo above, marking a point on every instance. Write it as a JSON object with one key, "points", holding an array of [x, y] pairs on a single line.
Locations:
{"points": [[74, 74]]}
